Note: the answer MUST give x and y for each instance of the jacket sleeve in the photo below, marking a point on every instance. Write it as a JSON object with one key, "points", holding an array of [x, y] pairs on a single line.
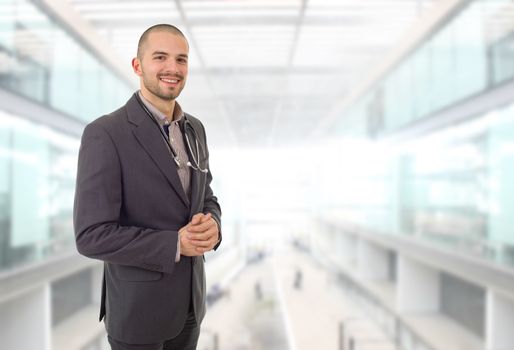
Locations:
{"points": [[211, 204], [96, 211]]}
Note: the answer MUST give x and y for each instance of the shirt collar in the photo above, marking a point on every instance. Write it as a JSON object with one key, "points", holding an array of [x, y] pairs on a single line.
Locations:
{"points": [[158, 115]]}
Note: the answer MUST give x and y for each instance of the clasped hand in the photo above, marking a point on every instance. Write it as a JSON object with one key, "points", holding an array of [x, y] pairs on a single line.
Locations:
{"points": [[199, 236]]}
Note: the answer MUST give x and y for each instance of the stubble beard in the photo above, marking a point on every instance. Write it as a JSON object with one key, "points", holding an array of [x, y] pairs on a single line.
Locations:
{"points": [[154, 88]]}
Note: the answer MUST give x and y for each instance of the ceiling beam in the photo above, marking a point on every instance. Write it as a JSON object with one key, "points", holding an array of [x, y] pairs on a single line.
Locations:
{"points": [[72, 21], [294, 45], [222, 21], [259, 71]]}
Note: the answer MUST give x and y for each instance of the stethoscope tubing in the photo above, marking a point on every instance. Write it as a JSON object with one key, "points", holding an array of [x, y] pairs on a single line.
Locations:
{"points": [[187, 125], [196, 160]]}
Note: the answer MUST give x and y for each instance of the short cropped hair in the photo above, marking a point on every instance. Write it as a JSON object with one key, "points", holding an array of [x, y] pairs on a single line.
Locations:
{"points": [[156, 28]]}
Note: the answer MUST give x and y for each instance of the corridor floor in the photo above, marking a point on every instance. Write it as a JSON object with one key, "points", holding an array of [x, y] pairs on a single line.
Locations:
{"points": [[282, 302]]}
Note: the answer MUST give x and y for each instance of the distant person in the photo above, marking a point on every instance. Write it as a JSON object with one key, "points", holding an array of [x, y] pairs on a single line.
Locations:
{"points": [[257, 290], [298, 279], [144, 205]]}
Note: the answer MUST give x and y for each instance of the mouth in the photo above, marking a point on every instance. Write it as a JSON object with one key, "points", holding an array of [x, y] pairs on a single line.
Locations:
{"points": [[170, 81]]}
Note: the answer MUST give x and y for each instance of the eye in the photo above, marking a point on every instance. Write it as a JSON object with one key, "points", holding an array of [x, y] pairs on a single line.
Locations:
{"points": [[182, 60], [159, 58]]}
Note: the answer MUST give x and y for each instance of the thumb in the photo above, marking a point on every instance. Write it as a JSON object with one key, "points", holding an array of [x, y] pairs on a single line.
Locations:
{"points": [[196, 219], [206, 217]]}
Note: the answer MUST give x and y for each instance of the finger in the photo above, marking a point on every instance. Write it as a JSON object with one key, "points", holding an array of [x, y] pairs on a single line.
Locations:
{"points": [[203, 226], [210, 239], [203, 236], [209, 245], [206, 217], [196, 219], [202, 219], [201, 244], [202, 250], [191, 251]]}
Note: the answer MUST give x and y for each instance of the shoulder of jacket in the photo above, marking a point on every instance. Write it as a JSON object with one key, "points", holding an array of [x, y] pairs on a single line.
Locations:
{"points": [[112, 119], [108, 125]]}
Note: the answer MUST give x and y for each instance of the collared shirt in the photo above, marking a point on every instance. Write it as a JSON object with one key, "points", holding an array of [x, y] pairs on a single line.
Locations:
{"points": [[176, 140]]}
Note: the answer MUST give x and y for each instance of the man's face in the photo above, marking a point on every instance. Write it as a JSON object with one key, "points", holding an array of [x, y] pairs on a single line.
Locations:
{"points": [[163, 65]]}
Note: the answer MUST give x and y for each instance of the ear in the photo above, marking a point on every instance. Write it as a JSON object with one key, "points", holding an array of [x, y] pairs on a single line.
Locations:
{"points": [[136, 66]]}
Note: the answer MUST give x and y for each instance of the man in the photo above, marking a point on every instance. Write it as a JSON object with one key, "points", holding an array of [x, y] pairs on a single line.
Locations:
{"points": [[144, 205]]}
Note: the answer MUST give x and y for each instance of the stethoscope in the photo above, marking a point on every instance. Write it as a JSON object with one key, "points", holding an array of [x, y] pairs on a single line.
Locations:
{"points": [[187, 129]]}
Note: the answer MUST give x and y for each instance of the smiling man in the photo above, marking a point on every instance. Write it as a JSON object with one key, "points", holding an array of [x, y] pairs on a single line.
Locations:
{"points": [[144, 205]]}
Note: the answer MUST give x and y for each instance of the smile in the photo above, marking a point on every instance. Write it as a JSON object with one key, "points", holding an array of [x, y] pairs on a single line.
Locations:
{"points": [[167, 80]]}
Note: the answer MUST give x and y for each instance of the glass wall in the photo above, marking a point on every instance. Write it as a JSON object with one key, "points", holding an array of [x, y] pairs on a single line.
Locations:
{"points": [[471, 53], [37, 175], [41, 61], [444, 194], [453, 187]]}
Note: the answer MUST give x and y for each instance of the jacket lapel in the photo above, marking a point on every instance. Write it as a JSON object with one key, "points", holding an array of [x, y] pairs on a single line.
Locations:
{"points": [[151, 140], [195, 189], [195, 176]]}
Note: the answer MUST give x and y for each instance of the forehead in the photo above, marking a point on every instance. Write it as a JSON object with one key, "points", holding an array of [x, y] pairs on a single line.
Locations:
{"points": [[166, 41]]}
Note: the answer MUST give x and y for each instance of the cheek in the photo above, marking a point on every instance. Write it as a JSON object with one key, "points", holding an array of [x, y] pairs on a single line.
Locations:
{"points": [[149, 69], [143, 71]]}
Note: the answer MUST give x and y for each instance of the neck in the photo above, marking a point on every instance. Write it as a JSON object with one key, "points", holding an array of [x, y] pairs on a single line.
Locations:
{"points": [[164, 106]]}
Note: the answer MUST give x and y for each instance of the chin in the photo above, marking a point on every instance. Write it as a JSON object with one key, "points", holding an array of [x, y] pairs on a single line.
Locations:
{"points": [[167, 96]]}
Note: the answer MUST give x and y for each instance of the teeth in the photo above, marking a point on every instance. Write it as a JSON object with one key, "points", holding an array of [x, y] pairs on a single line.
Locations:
{"points": [[173, 81]]}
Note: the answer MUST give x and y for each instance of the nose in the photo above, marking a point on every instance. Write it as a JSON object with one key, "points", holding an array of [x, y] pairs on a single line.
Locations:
{"points": [[172, 67]]}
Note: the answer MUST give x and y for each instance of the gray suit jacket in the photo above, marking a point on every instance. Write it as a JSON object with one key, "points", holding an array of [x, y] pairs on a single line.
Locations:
{"points": [[129, 206]]}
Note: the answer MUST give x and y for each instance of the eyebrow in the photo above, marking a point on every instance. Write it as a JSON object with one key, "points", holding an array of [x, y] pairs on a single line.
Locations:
{"points": [[159, 53], [167, 54]]}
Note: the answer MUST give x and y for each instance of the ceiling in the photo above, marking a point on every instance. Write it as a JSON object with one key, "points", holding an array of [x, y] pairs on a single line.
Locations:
{"points": [[263, 73]]}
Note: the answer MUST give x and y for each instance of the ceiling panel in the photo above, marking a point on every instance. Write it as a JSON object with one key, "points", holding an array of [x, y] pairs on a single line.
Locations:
{"points": [[263, 71], [239, 45]]}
